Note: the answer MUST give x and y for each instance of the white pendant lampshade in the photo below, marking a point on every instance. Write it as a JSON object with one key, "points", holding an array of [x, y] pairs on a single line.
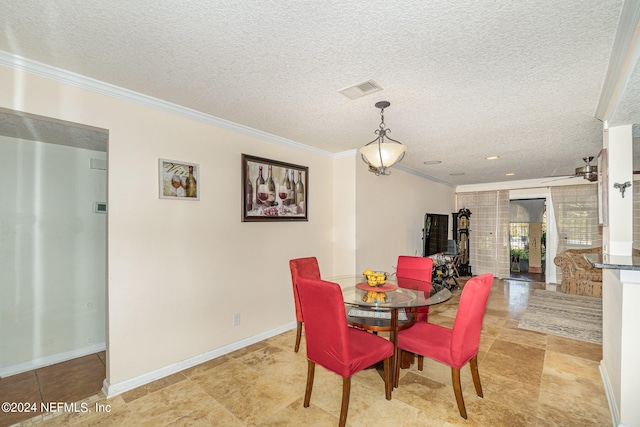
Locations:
{"points": [[383, 152], [380, 154]]}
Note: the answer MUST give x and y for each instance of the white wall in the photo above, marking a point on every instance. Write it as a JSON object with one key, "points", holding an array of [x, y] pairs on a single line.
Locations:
{"points": [[620, 364], [52, 254], [390, 215]]}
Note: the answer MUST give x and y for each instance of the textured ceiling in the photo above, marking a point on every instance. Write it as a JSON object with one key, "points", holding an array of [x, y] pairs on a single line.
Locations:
{"points": [[466, 79]]}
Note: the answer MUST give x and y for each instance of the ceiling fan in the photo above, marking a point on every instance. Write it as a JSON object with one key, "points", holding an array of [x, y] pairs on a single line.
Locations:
{"points": [[588, 171]]}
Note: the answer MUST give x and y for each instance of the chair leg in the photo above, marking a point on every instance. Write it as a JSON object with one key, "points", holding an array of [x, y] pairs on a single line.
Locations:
{"points": [[476, 375], [311, 369], [387, 378], [396, 369], [457, 389], [298, 337], [420, 362], [346, 390]]}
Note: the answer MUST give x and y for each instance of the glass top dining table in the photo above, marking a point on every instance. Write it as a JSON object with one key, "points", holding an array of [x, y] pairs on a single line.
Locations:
{"points": [[399, 293]]}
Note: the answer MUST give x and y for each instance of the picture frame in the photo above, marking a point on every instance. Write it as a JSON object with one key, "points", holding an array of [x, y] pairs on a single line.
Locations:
{"points": [[178, 180], [285, 199], [603, 188]]}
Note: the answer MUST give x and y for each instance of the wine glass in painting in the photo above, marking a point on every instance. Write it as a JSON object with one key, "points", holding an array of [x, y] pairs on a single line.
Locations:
{"points": [[262, 193], [183, 184], [176, 183], [282, 193]]}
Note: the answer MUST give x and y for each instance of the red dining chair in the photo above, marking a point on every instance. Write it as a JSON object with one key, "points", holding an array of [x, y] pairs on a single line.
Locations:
{"points": [[334, 345], [306, 267], [420, 268], [454, 347]]}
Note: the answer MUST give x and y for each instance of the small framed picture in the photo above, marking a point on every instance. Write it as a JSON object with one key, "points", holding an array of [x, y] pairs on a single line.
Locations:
{"points": [[179, 180], [273, 190]]}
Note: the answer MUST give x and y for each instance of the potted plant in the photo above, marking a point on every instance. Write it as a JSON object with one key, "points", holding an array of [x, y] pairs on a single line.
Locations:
{"points": [[522, 257]]}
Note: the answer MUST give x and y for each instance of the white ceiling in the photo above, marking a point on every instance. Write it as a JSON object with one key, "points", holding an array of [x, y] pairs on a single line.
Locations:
{"points": [[466, 79]]}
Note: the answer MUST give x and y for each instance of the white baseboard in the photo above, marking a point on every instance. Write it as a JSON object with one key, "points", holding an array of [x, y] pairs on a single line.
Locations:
{"points": [[50, 360], [111, 390], [613, 408]]}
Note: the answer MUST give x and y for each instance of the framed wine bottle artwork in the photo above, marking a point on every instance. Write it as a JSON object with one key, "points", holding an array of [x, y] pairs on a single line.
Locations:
{"points": [[179, 180], [273, 190]]}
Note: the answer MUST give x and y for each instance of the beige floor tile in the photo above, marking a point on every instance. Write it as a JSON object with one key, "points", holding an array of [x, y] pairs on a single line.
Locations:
{"points": [[522, 352], [287, 340], [583, 349], [427, 395], [226, 378], [153, 386], [203, 367], [528, 379], [296, 414], [568, 414], [513, 369], [572, 387], [559, 362], [522, 336], [484, 413], [490, 320], [213, 414], [169, 403], [514, 394]]}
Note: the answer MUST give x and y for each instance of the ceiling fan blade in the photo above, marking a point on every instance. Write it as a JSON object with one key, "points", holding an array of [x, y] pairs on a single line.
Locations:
{"points": [[558, 178]]}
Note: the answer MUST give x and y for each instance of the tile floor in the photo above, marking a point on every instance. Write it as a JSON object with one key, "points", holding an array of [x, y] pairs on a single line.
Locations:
{"points": [[528, 379]]}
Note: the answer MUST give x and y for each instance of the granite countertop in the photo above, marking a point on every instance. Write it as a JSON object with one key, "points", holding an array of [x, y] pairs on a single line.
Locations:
{"points": [[618, 262]]}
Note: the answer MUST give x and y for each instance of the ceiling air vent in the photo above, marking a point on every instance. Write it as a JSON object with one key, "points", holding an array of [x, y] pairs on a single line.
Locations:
{"points": [[361, 89]]}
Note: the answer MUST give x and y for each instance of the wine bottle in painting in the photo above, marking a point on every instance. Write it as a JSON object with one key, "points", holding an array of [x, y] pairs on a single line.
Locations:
{"points": [[300, 191], [287, 185], [248, 192], [292, 192], [271, 186], [192, 185], [259, 182]]}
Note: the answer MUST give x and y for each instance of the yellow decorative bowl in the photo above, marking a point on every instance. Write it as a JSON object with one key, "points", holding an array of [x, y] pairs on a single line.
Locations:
{"points": [[376, 278]]}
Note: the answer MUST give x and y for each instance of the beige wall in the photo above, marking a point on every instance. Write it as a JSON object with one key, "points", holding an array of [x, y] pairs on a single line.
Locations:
{"points": [[179, 270], [390, 215], [344, 230]]}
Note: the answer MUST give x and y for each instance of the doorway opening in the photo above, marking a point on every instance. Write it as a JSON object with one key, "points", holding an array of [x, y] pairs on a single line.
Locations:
{"points": [[527, 239], [54, 258]]}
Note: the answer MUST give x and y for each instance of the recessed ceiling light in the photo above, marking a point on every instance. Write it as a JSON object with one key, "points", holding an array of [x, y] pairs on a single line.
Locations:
{"points": [[492, 157], [510, 174], [457, 174], [432, 162]]}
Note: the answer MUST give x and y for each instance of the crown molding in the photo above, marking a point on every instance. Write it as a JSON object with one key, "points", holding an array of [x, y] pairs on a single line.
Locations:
{"points": [[422, 175], [67, 77], [624, 56]]}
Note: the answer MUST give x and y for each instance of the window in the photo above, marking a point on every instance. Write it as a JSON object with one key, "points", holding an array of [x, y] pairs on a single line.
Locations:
{"points": [[576, 212]]}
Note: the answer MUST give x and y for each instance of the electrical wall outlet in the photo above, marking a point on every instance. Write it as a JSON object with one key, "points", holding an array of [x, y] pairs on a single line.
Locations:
{"points": [[236, 319]]}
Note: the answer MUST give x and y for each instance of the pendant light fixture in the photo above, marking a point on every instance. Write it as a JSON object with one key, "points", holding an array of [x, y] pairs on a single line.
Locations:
{"points": [[383, 152]]}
